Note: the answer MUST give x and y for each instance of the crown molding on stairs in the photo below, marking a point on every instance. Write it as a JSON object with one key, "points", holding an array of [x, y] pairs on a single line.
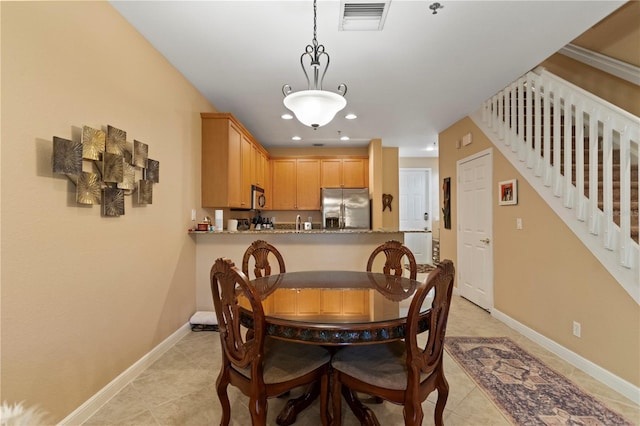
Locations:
{"points": [[612, 66]]}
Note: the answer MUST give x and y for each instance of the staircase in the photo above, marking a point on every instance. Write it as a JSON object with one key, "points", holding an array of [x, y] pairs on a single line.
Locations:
{"points": [[580, 153]]}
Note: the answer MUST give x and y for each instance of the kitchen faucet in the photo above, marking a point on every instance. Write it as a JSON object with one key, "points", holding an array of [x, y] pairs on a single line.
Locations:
{"points": [[298, 223]]}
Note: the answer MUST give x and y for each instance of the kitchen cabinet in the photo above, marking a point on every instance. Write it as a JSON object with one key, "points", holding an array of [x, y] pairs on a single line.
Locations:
{"points": [[229, 165], [295, 184], [259, 168], [268, 187], [246, 154], [344, 173]]}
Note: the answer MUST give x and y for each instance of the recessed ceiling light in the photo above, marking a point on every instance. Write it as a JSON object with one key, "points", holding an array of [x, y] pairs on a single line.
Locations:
{"points": [[296, 138], [344, 138], [287, 116], [350, 116], [432, 147]]}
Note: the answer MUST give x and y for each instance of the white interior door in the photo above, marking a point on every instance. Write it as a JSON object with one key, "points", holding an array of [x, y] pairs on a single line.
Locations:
{"points": [[475, 215], [415, 214], [420, 245]]}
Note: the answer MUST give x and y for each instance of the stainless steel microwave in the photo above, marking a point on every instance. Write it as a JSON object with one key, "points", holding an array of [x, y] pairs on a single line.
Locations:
{"points": [[258, 200]]}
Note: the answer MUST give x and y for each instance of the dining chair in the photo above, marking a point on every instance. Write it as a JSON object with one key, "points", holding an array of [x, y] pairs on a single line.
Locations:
{"points": [[259, 366], [403, 372], [394, 252], [261, 251]]}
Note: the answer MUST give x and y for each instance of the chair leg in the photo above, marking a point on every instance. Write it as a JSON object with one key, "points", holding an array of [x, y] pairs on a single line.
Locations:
{"points": [[413, 414], [325, 418], [336, 399], [443, 393], [221, 387], [258, 410]]}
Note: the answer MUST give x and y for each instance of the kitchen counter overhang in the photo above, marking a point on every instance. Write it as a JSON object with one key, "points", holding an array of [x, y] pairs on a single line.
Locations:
{"points": [[293, 231], [315, 249]]}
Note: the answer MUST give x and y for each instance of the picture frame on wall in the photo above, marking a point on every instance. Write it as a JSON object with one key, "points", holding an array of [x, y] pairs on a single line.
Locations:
{"points": [[508, 192]]}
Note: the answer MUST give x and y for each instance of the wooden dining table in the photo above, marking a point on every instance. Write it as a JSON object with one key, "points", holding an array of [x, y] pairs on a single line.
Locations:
{"points": [[335, 309]]}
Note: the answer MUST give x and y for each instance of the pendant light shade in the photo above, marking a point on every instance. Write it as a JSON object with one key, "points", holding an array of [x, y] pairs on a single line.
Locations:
{"points": [[314, 107]]}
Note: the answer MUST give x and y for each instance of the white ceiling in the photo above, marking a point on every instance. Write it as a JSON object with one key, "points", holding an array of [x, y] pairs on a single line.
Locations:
{"points": [[406, 83]]}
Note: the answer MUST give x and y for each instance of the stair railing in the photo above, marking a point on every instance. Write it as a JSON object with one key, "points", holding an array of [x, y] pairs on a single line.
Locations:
{"points": [[563, 139]]}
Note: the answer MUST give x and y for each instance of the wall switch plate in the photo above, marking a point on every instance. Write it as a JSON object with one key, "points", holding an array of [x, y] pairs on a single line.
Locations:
{"points": [[519, 223], [193, 214], [467, 139], [576, 329]]}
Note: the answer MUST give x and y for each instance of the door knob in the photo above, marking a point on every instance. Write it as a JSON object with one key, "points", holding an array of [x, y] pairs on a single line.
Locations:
{"points": [[486, 241]]}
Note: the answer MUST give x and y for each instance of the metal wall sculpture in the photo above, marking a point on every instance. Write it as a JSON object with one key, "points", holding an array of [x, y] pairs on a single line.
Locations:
{"points": [[118, 168]]}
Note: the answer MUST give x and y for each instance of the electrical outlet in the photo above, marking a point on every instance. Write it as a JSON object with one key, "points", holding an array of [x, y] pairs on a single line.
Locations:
{"points": [[576, 329], [519, 223]]}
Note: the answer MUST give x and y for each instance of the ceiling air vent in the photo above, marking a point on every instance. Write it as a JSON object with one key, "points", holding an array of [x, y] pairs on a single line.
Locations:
{"points": [[362, 16]]}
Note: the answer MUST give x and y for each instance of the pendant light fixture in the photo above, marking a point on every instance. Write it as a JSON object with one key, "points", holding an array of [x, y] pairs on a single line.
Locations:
{"points": [[314, 107]]}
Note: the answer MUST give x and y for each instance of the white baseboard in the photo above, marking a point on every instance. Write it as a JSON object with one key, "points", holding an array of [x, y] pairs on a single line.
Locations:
{"points": [[93, 404], [614, 382]]}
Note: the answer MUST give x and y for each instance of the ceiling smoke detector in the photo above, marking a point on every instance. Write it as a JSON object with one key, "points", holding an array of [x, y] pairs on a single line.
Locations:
{"points": [[360, 15], [434, 7]]}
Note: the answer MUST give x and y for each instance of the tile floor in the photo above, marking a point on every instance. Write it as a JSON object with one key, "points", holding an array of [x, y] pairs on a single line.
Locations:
{"points": [[179, 389]]}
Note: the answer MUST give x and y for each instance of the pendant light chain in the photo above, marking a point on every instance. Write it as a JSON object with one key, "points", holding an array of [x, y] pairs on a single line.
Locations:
{"points": [[314, 107]]}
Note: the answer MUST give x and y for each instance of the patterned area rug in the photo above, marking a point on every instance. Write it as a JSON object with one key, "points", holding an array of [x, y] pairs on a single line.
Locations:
{"points": [[525, 389]]}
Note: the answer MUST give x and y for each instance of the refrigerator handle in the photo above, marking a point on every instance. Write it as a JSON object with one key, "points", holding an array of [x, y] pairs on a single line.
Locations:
{"points": [[342, 211]]}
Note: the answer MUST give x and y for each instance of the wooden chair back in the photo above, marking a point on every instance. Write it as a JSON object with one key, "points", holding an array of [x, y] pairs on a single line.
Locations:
{"points": [[412, 371], [394, 252], [261, 250], [261, 368], [239, 348], [424, 360]]}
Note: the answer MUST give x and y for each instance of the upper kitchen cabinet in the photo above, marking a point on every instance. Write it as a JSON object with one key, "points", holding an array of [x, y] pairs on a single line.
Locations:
{"points": [[228, 162], [344, 172], [259, 168], [295, 184]]}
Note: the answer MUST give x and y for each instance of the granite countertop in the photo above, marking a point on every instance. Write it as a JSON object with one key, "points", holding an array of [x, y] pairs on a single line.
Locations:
{"points": [[312, 231]]}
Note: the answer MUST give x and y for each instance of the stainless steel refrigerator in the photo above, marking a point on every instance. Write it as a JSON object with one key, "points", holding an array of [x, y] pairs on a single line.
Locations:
{"points": [[346, 208]]}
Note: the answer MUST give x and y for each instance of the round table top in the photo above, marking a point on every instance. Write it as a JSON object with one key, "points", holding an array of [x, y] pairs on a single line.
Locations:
{"points": [[337, 307]]}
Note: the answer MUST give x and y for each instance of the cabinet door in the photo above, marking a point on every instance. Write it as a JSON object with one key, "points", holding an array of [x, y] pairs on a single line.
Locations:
{"points": [[235, 167], [308, 184], [283, 185], [247, 163], [331, 173], [254, 161], [268, 191], [259, 167], [354, 173]]}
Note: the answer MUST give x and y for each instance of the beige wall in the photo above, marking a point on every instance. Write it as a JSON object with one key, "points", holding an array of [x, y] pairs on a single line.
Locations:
{"points": [[390, 185], [544, 277], [83, 296], [375, 182]]}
